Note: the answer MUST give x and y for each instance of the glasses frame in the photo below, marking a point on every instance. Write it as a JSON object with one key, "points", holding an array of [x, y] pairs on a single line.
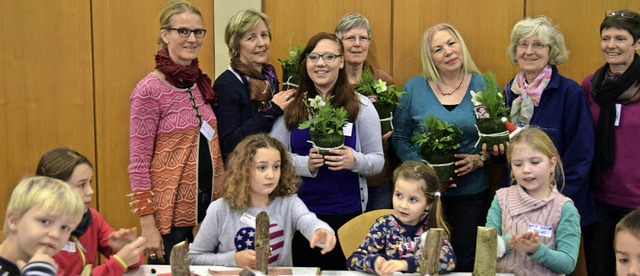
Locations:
{"points": [[336, 56], [614, 14], [352, 39], [536, 46], [204, 32]]}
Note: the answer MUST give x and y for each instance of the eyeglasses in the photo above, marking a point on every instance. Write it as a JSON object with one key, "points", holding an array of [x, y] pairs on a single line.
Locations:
{"points": [[352, 39], [624, 14], [184, 32], [327, 57], [537, 45]]}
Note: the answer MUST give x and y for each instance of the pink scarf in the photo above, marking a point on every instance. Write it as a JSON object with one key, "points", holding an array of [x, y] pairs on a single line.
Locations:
{"points": [[529, 95]]}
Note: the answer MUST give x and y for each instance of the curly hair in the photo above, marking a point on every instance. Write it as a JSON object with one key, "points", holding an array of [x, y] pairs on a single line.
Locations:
{"points": [[343, 93], [240, 168]]}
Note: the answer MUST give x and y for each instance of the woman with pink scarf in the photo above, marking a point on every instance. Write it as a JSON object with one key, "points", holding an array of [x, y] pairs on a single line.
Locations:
{"points": [[540, 96]]}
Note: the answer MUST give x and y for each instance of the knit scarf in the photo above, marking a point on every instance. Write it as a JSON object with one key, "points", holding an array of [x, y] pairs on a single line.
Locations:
{"points": [[529, 95], [184, 76], [261, 84], [607, 91]]}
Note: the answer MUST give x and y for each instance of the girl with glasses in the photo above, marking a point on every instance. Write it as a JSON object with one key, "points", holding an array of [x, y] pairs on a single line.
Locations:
{"points": [[333, 186]]}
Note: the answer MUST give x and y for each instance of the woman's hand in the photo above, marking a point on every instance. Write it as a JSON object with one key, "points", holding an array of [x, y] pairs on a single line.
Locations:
{"points": [[118, 239], [155, 245], [323, 236], [496, 150], [388, 267], [467, 163], [315, 160], [246, 258], [284, 98], [340, 159], [131, 252]]}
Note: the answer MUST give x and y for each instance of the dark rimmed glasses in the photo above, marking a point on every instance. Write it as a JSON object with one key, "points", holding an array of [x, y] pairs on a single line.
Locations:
{"points": [[624, 14], [184, 32], [327, 57]]}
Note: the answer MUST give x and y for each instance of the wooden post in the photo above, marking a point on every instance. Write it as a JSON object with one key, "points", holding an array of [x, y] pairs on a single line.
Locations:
{"points": [[180, 259], [262, 243], [430, 260], [486, 247]]}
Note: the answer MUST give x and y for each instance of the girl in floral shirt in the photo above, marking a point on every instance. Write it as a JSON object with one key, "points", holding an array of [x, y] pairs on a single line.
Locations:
{"points": [[391, 244]]}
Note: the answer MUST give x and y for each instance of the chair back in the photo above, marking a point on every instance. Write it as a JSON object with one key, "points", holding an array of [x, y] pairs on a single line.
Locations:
{"points": [[352, 233]]}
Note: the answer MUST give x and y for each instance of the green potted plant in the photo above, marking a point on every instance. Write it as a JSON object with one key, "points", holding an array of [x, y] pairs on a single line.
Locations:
{"points": [[384, 98], [290, 68], [325, 123], [438, 142], [490, 113]]}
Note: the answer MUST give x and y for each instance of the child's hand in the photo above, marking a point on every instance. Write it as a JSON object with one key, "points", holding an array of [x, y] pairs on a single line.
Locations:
{"points": [[246, 258], [315, 160], [118, 239], [525, 243], [40, 255], [323, 236], [388, 267], [131, 252]]}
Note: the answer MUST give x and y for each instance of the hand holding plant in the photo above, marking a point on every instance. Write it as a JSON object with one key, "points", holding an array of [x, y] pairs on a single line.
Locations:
{"points": [[489, 110], [325, 123], [438, 142]]}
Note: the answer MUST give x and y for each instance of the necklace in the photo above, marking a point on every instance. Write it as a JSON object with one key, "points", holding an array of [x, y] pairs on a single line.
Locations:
{"points": [[452, 91]]}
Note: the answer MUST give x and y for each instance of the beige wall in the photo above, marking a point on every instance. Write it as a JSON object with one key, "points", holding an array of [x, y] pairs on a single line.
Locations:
{"points": [[68, 66]]}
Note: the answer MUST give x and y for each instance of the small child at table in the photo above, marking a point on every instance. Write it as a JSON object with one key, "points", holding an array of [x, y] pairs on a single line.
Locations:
{"points": [[538, 227], [627, 244], [41, 214], [261, 177], [391, 244]]}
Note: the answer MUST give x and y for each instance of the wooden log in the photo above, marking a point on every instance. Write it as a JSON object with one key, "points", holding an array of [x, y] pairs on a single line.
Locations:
{"points": [[486, 247], [430, 259], [180, 259], [262, 243]]}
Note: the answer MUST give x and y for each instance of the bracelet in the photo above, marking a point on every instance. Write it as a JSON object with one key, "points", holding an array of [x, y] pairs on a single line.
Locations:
{"points": [[124, 264]]}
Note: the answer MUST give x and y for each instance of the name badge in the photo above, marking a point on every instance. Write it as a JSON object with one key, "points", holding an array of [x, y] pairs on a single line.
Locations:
{"points": [[618, 111], [69, 247], [248, 219], [207, 131], [347, 129], [544, 231]]}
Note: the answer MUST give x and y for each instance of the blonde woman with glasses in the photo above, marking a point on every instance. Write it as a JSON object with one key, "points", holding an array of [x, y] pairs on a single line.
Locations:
{"points": [[613, 92]]}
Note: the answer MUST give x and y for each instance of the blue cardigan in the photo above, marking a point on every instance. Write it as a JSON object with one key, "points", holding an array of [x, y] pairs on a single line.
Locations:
{"points": [[563, 113], [237, 116]]}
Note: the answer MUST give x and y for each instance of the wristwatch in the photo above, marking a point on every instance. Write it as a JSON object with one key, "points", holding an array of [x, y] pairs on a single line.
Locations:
{"points": [[483, 158]]}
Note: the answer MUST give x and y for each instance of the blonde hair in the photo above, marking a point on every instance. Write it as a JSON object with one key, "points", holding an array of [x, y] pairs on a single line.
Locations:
{"points": [[240, 167], [539, 141], [429, 69], [53, 195], [239, 24], [413, 170], [169, 10], [547, 33]]}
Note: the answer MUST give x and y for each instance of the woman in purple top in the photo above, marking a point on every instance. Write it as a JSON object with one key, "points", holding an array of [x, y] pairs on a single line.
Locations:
{"points": [[333, 187], [613, 92]]}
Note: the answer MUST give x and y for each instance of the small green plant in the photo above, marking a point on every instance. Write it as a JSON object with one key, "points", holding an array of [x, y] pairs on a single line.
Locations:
{"points": [[323, 118], [437, 136], [490, 97], [383, 93], [292, 59]]}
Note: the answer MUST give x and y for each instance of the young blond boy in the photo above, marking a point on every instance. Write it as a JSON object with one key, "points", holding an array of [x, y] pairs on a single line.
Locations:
{"points": [[41, 214], [627, 244]]}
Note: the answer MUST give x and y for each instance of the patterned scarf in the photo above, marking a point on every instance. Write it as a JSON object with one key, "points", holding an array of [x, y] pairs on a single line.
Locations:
{"points": [[529, 95], [184, 76], [261, 84], [607, 91]]}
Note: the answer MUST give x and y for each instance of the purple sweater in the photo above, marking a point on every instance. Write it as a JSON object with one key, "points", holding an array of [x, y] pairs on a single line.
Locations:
{"points": [[619, 185]]}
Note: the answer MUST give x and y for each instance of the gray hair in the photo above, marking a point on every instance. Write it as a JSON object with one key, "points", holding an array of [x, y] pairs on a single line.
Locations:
{"points": [[350, 21], [547, 33]]}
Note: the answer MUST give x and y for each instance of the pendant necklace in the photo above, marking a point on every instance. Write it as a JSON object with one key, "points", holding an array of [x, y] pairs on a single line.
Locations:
{"points": [[452, 91]]}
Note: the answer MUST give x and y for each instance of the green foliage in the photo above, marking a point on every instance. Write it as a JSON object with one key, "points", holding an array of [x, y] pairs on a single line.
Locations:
{"points": [[490, 97], [437, 136], [369, 86], [324, 118], [292, 60]]}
